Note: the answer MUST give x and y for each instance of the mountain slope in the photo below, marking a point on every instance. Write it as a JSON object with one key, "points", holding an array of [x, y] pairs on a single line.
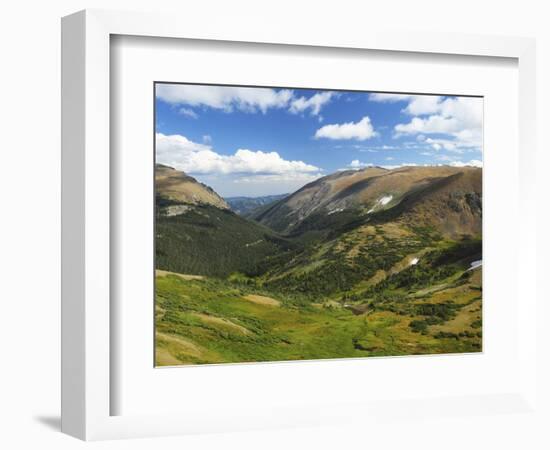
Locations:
{"points": [[205, 240], [444, 197], [177, 187], [450, 204], [197, 234], [322, 194]]}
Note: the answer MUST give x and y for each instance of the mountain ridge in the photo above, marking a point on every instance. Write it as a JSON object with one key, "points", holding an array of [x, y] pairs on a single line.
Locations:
{"points": [[175, 186], [373, 190]]}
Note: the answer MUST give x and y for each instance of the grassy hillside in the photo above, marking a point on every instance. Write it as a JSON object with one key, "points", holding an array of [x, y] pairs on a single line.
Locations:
{"points": [[201, 321]]}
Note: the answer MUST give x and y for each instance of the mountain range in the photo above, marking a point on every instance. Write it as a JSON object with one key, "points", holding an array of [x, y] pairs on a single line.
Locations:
{"points": [[247, 206], [395, 254], [444, 200]]}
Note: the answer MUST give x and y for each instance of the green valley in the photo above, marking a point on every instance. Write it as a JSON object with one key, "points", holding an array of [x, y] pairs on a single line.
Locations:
{"points": [[372, 262]]}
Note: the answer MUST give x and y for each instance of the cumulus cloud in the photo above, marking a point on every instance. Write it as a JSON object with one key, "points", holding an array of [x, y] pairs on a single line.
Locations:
{"points": [[417, 104], [313, 103], [397, 166], [471, 163], [229, 98], [423, 104], [356, 165], [430, 125], [389, 98], [188, 113], [460, 118], [183, 154], [360, 131], [226, 98], [286, 178]]}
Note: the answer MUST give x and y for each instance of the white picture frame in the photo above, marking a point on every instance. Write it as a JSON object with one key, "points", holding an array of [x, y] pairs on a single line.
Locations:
{"points": [[86, 219]]}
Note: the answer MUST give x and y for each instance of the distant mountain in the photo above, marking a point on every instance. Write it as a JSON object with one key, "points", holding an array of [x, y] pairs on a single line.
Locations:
{"points": [[446, 198], [177, 187], [245, 206]]}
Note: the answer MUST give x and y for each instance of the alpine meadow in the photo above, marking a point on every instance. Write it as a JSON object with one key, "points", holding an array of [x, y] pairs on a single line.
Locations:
{"points": [[300, 224]]}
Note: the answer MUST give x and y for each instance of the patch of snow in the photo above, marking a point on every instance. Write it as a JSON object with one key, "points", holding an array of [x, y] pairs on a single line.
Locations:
{"points": [[385, 200], [414, 262], [475, 264], [335, 211]]}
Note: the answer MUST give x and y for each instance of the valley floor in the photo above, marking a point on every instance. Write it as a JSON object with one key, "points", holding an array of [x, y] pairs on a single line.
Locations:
{"points": [[202, 320]]}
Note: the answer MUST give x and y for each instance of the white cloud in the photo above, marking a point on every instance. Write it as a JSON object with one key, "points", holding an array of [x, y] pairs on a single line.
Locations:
{"points": [[397, 166], [389, 98], [313, 103], [226, 98], [460, 118], [472, 163], [417, 104], [183, 154], [300, 178], [374, 149], [360, 131], [188, 113], [207, 139], [430, 125], [423, 104], [356, 165]]}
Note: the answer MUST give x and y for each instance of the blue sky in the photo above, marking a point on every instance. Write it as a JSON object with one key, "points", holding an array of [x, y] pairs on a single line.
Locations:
{"points": [[260, 141]]}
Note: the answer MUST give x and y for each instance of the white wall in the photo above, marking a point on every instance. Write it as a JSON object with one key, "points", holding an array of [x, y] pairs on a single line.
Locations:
{"points": [[29, 246]]}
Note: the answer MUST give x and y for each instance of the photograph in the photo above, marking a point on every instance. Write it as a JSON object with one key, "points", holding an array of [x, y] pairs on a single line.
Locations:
{"points": [[309, 224]]}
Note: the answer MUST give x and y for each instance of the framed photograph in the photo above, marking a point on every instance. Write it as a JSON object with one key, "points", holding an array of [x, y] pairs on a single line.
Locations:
{"points": [[252, 219], [361, 236]]}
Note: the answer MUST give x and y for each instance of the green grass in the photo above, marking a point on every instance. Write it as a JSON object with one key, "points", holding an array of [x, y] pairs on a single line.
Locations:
{"points": [[282, 333], [351, 292]]}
